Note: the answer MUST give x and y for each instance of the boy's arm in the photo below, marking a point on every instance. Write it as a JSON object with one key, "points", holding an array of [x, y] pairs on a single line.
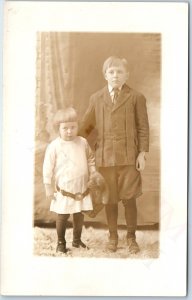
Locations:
{"points": [[142, 131], [88, 122], [90, 161], [142, 124]]}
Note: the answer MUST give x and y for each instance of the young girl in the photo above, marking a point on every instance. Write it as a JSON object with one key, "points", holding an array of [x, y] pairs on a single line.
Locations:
{"points": [[70, 162]]}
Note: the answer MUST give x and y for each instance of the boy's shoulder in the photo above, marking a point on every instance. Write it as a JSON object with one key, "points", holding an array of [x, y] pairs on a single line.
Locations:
{"points": [[136, 94], [99, 92], [126, 88]]}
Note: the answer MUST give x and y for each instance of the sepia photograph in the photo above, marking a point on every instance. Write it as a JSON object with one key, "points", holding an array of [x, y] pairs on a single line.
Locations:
{"points": [[121, 164], [95, 136]]}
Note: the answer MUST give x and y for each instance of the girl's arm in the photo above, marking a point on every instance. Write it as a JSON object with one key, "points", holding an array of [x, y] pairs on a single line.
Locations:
{"points": [[48, 167], [49, 192]]}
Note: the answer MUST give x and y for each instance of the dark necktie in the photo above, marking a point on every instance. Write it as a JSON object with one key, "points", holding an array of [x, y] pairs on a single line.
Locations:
{"points": [[115, 96]]}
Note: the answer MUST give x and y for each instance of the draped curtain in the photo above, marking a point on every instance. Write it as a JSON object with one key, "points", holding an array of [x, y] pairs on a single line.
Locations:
{"points": [[54, 79], [53, 91]]}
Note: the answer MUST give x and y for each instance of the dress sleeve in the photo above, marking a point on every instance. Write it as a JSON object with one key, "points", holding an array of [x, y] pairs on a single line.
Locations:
{"points": [[49, 164]]}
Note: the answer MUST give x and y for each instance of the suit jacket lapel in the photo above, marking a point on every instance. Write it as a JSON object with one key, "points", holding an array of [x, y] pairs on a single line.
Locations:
{"points": [[123, 97]]}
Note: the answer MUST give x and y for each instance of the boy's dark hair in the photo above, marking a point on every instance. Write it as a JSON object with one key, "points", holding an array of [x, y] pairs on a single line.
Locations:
{"points": [[114, 61], [68, 114]]}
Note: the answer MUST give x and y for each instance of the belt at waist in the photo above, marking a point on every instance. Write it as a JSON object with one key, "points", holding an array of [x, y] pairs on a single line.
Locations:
{"points": [[76, 196]]}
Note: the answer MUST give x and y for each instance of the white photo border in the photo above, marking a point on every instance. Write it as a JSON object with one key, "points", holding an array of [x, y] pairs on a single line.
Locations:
{"points": [[148, 278]]}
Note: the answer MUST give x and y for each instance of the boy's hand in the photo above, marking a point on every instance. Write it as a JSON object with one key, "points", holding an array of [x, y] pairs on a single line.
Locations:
{"points": [[140, 162], [92, 184]]}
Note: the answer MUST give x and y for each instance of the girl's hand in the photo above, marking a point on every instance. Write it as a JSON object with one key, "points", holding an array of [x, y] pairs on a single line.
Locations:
{"points": [[140, 162], [50, 198], [49, 192]]}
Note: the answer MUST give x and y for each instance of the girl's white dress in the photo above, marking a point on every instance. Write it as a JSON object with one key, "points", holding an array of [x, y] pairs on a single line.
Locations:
{"points": [[68, 163]]}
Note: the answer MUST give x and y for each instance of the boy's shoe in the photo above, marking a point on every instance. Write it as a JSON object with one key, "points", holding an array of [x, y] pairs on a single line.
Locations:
{"points": [[112, 245], [132, 245], [61, 247], [79, 244]]}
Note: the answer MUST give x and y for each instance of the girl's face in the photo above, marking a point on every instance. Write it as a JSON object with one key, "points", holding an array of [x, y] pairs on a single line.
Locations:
{"points": [[116, 76], [68, 130]]}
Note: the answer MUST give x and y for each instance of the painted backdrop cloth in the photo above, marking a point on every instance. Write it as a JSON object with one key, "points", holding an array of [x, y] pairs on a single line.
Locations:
{"points": [[68, 163]]}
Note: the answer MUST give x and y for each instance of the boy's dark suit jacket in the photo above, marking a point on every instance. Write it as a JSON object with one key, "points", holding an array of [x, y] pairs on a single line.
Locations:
{"points": [[122, 129]]}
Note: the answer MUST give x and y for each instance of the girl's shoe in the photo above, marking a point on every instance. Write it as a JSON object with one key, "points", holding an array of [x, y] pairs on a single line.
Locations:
{"points": [[61, 247]]}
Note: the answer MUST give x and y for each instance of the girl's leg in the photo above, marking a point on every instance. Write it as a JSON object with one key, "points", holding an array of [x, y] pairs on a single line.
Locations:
{"points": [[61, 223], [78, 219]]}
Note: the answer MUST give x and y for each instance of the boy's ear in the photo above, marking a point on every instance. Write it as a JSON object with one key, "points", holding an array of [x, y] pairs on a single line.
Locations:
{"points": [[105, 76], [127, 75]]}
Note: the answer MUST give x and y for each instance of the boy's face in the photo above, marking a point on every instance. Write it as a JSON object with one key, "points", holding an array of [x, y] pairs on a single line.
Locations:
{"points": [[68, 130], [116, 76]]}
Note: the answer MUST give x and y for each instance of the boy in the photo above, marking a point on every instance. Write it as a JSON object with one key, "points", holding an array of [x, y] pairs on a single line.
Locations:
{"points": [[120, 116]]}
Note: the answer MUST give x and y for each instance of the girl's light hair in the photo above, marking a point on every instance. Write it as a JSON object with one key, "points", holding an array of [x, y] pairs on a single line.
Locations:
{"points": [[114, 61], [68, 114]]}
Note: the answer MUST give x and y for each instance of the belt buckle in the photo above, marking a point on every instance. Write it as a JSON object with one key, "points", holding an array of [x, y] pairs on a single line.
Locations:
{"points": [[78, 196]]}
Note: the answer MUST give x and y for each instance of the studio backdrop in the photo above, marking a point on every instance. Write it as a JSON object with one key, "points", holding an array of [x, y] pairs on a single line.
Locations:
{"points": [[68, 71]]}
